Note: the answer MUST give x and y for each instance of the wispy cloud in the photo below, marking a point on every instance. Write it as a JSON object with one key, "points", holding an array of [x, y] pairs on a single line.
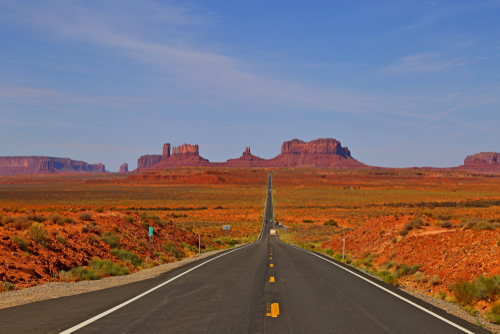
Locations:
{"points": [[424, 63]]}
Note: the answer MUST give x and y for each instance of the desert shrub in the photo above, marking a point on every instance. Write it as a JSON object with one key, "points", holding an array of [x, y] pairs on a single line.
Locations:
{"points": [[446, 224], [486, 288], [157, 254], [39, 234], [145, 225], [483, 226], [417, 223], [22, 223], [494, 313], [129, 219], [435, 280], [79, 274], [307, 221], [390, 279], [68, 220], [172, 250], [55, 218], [85, 216], [226, 241], [464, 291], [388, 265], [403, 232], [420, 277], [20, 241], [35, 218], [8, 286], [85, 229], [93, 228], [7, 220], [405, 269], [330, 222], [329, 252], [498, 242], [394, 240], [441, 295], [111, 239], [108, 268], [127, 257], [100, 210], [115, 228], [61, 240], [383, 273], [189, 247]]}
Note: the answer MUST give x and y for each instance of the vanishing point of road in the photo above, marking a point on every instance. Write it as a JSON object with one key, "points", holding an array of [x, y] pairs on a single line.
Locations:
{"points": [[264, 287]]}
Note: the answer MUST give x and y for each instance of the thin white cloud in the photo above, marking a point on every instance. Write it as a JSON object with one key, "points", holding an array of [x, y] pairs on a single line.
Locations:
{"points": [[424, 63]]}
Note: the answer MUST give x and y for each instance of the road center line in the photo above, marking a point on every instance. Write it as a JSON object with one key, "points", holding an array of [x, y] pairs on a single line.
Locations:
{"points": [[387, 290]]}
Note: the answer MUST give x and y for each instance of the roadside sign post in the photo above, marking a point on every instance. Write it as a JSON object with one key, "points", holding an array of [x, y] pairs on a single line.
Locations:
{"points": [[150, 235], [199, 245], [343, 248], [226, 228]]}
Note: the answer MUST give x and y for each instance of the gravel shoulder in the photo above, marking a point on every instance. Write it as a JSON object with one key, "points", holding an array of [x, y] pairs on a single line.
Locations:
{"points": [[62, 289]]}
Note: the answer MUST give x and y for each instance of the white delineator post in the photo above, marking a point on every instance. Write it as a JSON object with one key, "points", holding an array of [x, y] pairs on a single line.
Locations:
{"points": [[343, 249]]}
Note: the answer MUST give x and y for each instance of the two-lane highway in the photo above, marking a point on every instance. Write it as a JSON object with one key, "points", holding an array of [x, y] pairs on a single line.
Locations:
{"points": [[264, 287]]}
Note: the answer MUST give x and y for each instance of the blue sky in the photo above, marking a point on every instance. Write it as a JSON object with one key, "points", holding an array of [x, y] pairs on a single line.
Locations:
{"points": [[401, 83]]}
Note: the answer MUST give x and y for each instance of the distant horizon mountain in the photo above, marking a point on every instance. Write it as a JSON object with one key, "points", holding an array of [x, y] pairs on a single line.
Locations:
{"points": [[319, 153]]}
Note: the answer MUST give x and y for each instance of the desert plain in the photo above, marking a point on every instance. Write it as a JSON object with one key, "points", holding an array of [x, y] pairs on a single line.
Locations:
{"points": [[433, 232]]}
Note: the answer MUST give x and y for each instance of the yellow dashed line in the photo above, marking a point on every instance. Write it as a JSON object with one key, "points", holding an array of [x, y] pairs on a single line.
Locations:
{"points": [[271, 265], [271, 279], [272, 310], [270, 258]]}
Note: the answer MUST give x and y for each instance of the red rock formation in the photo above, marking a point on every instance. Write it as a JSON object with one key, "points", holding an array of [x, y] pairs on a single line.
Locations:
{"points": [[324, 153], [486, 162], [45, 165], [147, 161], [123, 168]]}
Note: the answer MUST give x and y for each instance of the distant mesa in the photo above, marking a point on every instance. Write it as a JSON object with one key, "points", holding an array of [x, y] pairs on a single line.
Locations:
{"points": [[124, 168], [46, 165], [485, 162], [323, 153]]}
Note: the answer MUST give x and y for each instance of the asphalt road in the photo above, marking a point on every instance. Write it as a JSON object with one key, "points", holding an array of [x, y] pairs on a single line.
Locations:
{"points": [[233, 293]]}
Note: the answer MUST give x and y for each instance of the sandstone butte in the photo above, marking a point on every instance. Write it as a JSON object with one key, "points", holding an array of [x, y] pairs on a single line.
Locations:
{"points": [[123, 168], [322, 153], [45, 165]]}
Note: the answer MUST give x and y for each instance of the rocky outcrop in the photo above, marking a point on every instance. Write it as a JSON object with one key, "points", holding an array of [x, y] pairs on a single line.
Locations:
{"points": [[486, 162], [45, 165], [147, 161], [123, 168], [324, 153]]}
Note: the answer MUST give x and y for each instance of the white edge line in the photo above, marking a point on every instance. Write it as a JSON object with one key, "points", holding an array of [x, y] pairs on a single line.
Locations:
{"points": [[386, 290], [99, 316]]}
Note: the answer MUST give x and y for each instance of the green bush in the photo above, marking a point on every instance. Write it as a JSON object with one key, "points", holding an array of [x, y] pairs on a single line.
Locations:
{"points": [[7, 220], [331, 222], [8, 286], [329, 252], [35, 218], [61, 240], [405, 269], [464, 291], [172, 250], [487, 288], [145, 225], [85, 216], [111, 239], [420, 277], [68, 220], [22, 223], [127, 257], [108, 268], [189, 247], [307, 221], [435, 280], [446, 224], [129, 219], [55, 218], [20, 241], [390, 279], [79, 274], [494, 313], [39, 234], [100, 210]]}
